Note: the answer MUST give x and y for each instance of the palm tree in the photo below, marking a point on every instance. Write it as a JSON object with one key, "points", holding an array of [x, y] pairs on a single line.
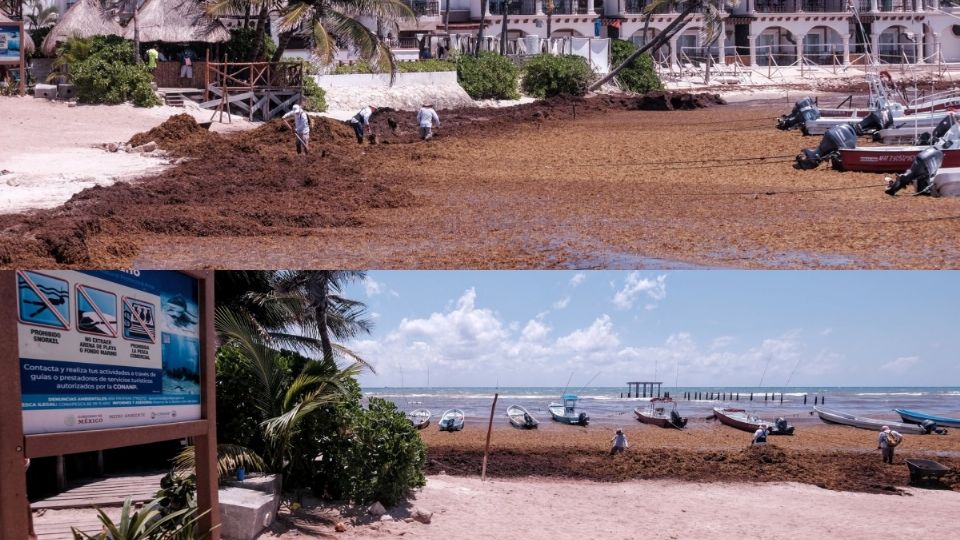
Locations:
{"points": [[41, 15], [316, 295], [284, 407], [337, 23], [548, 8], [483, 21], [706, 8], [503, 29], [263, 8]]}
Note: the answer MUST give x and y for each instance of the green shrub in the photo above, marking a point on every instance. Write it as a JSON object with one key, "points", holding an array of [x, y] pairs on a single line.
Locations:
{"points": [[241, 42], [419, 66], [640, 76], [547, 75], [101, 71], [488, 76], [379, 457]]}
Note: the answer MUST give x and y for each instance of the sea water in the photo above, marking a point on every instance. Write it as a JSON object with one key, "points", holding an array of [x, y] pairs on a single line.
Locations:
{"points": [[605, 405]]}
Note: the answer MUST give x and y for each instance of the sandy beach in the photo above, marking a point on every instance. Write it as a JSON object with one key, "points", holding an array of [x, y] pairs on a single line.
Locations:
{"points": [[49, 150], [712, 187], [703, 482]]}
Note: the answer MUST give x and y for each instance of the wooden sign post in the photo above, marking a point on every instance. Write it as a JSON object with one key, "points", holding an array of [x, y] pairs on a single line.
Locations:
{"points": [[16, 446]]}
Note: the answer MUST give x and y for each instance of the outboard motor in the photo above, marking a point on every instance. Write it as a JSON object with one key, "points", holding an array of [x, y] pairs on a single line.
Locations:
{"points": [[876, 120], [583, 419], [792, 120], [837, 137], [920, 173], [781, 424], [938, 132], [928, 426]]}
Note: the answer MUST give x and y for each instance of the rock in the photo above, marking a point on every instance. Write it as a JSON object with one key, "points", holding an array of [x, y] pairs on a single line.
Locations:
{"points": [[113, 147], [422, 516], [408, 520], [376, 509], [340, 527], [386, 517], [148, 147]]}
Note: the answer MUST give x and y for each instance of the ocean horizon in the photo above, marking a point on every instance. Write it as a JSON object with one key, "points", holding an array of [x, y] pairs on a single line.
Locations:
{"points": [[605, 402]]}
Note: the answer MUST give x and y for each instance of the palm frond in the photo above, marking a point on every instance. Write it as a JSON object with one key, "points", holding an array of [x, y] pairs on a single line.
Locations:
{"points": [[229, 457]]}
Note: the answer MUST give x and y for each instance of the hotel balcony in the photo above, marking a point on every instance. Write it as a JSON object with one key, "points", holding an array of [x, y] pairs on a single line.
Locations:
{"points": [[513, 7], [424, 8], [577, 7], [638, 6]]}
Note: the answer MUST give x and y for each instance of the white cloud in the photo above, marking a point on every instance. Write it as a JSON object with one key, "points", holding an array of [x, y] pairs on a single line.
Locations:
{"points": [[577, 279], [826, 331], [721, 342], [634, 286], [901, 364], [373, 287], [599, 336], [562, 303], [534, 331]]}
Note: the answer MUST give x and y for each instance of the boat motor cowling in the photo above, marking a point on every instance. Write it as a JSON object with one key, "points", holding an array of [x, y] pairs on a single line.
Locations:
{"points": [[876, 120], [781, 424], [920, 173], [792, 120], [837, 137], [583, 419]]}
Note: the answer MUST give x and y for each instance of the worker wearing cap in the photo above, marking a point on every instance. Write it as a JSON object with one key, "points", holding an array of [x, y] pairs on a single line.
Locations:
{"points": [[361, 121], [301, 127], [887, 440], [426, 118]]}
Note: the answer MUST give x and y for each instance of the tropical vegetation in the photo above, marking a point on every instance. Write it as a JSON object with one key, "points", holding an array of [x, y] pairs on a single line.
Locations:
{"points": [[638, 77], [287, 397], [488, 76], [548, 75], [101, 72]]}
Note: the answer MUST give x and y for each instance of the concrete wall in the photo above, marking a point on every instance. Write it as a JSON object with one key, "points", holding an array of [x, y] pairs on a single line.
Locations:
{"points": [[378, 80]]}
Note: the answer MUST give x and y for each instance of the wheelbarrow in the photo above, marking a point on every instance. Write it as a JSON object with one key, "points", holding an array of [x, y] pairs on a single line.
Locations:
{"points": [[925, 469]]}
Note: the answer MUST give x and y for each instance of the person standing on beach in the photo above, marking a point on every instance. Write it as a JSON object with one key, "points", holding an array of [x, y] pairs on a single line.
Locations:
{"points": [[620, 443], [886, 442], [152, 55], [361, 121], [760, 435], [301, 127], [426, 118]]}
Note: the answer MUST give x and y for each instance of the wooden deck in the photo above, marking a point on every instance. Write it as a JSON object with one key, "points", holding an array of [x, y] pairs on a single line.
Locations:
{"points": [[108, 492]]}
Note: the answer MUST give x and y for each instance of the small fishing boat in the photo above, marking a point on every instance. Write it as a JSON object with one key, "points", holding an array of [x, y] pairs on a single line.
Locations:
{"points": [[741, 419], [837, 417], [656, 414], [566, 412], [420, 418], [520, 418], [451, 420], [917, 417], [888, 158]]}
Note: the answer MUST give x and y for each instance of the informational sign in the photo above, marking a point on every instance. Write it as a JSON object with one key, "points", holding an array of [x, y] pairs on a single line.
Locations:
{"points": [[10, 42], [107, 349]]}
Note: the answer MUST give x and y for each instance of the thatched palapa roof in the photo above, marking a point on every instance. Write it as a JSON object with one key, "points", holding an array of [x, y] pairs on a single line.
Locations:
{"points": [[176, 21], [83, 19], [26, 43]]}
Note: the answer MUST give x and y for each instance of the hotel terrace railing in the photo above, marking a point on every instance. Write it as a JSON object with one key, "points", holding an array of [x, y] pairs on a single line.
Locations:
{"points": [[638, 6], [577, 7], [424, 8], [514, 7]]}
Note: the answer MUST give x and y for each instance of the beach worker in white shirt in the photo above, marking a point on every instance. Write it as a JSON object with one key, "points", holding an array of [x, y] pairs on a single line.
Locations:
{"points": [[426, 119], [301, 127], [620, 443], [361, 121], [760, 435], [886, 442]]}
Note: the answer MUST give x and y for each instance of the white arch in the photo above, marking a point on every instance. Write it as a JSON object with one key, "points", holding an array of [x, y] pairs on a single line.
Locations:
{"points": [[776, 45], [823, 45]]}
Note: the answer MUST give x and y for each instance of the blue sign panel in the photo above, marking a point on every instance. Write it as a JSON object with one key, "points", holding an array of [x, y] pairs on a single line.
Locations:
{"points": [[101, 349]]}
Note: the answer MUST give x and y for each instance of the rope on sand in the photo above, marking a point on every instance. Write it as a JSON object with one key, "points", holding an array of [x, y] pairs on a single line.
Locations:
{"points": [[790, 191]]}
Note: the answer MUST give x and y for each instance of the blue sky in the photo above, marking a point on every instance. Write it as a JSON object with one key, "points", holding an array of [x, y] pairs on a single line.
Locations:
{"points": [[535, 328]]}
